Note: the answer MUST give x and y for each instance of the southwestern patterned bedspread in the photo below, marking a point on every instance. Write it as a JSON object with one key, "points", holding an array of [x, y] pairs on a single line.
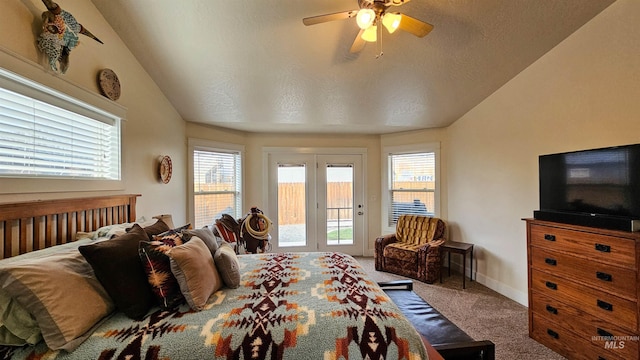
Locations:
{"points": [[289, 306]]}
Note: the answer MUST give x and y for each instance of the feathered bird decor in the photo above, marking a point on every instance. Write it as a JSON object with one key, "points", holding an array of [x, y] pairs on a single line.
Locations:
{"points": [[60, 35]]}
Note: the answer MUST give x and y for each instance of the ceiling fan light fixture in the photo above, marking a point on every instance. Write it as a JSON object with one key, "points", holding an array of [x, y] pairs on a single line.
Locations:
{"points": [[365, 18], [391, 21], [370, 34]]}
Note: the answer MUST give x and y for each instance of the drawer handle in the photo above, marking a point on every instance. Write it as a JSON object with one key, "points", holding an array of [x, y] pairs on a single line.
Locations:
{"points": [[552, 310], [603, 248], [551, 261], [605, 333], [553, 334], [603, 276], [552, 286], [605, 305], [549, 237], [601, 358]]}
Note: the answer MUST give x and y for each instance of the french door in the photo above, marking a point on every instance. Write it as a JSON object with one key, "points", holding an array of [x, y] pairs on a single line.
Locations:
{"points": [[316, 202]]}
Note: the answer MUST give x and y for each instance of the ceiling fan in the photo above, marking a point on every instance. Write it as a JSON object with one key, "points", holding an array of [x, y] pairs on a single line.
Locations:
{"points": [[369, 17]]}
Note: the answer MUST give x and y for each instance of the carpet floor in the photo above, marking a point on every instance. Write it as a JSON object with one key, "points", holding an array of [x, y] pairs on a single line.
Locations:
{"points": [[479, 311]]}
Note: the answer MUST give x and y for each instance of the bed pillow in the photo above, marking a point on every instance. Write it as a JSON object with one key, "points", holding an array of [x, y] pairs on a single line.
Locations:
{"points": [[109, 231], [157, 267], [60, 292], [166, 218], [206, 235], [118, 267], [227, 264], [17, 325], [157, 228], [195, 272]]}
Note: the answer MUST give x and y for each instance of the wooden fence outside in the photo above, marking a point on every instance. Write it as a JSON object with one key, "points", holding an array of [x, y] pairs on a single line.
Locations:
{"points": [[291, 197]]}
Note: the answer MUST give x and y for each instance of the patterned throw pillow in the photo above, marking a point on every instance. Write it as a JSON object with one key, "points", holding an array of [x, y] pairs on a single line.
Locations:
{"points": [[157, 266]]}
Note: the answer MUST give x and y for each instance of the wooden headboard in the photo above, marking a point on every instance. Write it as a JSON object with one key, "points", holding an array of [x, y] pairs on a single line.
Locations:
{"points": [[33, 225]]}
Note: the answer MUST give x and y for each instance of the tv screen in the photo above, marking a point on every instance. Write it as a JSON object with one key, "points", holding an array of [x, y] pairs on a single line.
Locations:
{"points": [[596, 182]]}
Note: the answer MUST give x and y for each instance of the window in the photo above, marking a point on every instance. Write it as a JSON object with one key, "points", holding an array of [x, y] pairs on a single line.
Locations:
{"points": [[217, 182], [411, 186], [68, 140], [42, 140]]}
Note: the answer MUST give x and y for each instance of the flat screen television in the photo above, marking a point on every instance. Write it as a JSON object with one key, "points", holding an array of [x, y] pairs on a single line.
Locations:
{"points": [[598, 187]]}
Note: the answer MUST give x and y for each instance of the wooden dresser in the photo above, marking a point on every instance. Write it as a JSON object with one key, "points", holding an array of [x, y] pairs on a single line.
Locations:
{"points": [[583, 290]]}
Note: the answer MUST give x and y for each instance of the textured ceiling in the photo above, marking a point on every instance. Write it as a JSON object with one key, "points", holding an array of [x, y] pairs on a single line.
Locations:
{"points": [[252, 65]]}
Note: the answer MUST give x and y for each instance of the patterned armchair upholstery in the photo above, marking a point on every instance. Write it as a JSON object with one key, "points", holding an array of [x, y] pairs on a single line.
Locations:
{"points": [[414, 250]]}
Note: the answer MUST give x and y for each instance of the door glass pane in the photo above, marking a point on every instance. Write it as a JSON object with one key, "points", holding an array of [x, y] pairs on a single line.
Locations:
{"points": [[339, 204], [292, 227]]}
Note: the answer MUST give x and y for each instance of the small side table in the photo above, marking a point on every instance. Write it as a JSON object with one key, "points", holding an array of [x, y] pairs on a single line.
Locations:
{"points": [[459, 248]]}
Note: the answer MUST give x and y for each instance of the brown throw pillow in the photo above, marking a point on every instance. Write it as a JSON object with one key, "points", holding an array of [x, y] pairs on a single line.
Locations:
{"points": [[158, 228], [117, 266], [195, 271]]}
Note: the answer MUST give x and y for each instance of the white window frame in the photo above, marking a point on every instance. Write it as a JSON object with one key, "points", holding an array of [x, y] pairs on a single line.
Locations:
{"points": [[14, 184], [214, 146], [386, 178]]}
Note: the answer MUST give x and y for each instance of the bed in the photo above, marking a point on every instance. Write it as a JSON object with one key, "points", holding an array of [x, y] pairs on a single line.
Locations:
{"points": [[286, 305]]}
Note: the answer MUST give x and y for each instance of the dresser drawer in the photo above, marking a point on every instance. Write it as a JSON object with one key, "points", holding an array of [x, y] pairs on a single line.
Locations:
{"points": [[567, 343], [598, 303], [608, 249], [585, 325], [613, 279]]}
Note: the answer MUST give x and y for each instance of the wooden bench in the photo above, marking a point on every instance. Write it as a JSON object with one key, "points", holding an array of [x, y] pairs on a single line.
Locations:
{"points": [[448, 339]]}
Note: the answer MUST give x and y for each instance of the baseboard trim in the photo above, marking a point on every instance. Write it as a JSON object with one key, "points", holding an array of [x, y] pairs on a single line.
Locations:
{"points": [[495, 285]]}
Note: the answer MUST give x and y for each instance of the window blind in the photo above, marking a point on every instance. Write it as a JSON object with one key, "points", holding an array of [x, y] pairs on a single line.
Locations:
{"points": [[217, 182], [411, 184], [38, 139]]}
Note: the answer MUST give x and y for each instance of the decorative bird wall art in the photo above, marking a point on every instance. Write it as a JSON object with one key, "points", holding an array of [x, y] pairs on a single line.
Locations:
{"points": [[60, 35]]}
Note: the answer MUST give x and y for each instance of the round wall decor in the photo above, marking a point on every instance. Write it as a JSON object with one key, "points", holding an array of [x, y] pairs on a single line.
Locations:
{"points": [[165, 169], [109, 84]]}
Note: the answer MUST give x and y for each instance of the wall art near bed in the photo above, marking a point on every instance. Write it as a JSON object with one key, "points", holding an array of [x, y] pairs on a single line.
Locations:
{"points": [[165, 170]]}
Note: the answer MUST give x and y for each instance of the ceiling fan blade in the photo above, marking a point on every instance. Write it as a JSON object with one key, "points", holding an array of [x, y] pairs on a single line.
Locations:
{"points": [[358, 43], [329, 17], [414, 26]]}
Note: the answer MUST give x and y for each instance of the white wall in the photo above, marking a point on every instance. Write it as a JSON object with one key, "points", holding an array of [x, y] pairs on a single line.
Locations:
{"points": [[585, 93], [153, 127]]}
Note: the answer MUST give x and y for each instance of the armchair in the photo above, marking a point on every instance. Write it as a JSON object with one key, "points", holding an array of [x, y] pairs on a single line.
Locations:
{"points": [[414, 250]]}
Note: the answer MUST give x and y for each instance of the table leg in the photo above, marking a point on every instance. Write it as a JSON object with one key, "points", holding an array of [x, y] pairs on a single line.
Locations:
{"points": [[464, 269], [449, 262], [471, 264]]}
